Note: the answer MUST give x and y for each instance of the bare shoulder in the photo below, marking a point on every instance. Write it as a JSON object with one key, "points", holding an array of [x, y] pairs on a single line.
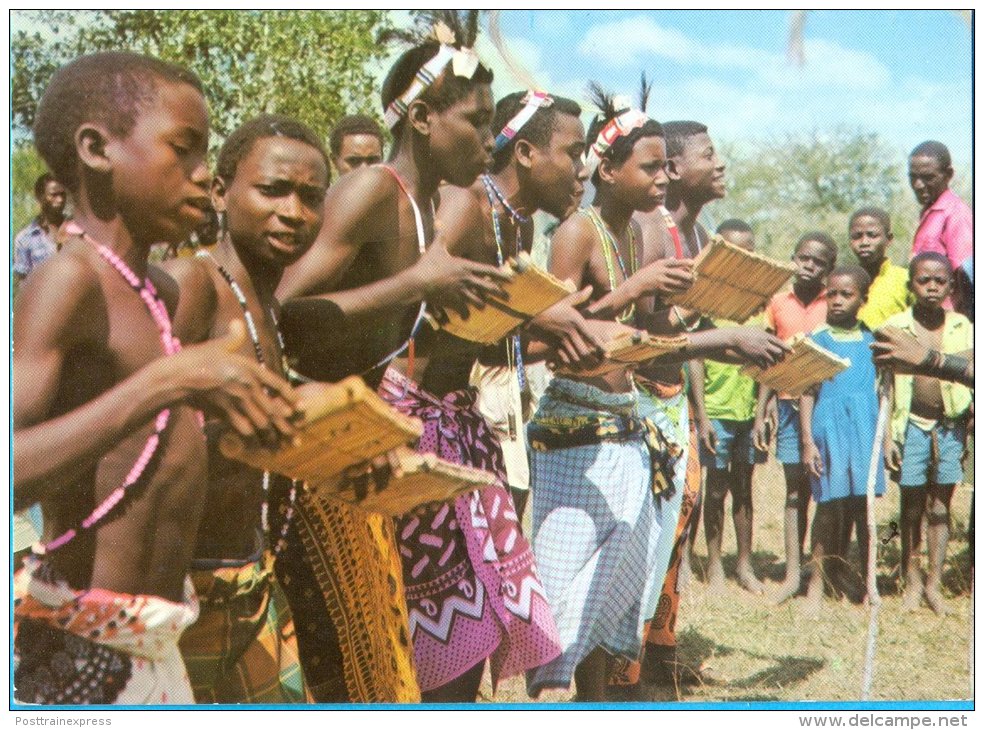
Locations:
{"points": [[657, 243], [577, 230], [60, 298], [363, 187], [188, 289], [461, 220], [185, 276]]}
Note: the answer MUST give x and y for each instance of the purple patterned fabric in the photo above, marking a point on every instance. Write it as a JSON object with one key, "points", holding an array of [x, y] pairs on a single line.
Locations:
{"points": [[471, 583]]}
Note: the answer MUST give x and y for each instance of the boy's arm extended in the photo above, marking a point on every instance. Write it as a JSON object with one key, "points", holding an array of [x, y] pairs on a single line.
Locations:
{"points": [[695, 369], [53, 318]]}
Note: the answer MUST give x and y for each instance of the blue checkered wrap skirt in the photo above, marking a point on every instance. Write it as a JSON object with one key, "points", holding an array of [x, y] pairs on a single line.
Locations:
{"points": [[596, 530]]}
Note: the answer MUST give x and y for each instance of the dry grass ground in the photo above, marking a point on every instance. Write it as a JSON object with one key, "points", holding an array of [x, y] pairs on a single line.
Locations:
{"points": [[752, 650]]}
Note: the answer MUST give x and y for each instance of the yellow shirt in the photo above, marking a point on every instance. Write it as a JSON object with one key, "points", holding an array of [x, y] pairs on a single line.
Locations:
{"points": [[888, 295], [958, 336]]}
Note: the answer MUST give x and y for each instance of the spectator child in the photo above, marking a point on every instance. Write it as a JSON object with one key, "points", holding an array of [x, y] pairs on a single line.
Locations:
{"points": [[838, 423], [870, 233], [797, 311], [929, 427]]}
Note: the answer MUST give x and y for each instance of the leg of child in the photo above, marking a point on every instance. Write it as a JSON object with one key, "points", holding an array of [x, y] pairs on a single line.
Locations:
{"points": [[741, 514], [717, 490], [590, 677], [825, 539], [687, 556], [937, 536], [797, 502], [913, 503], [461, 689], [855, 582]]}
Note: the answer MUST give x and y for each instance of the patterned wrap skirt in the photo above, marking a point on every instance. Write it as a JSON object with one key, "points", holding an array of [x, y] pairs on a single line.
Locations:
{"points": [[472, 587], [242, 648], [74, 647]]}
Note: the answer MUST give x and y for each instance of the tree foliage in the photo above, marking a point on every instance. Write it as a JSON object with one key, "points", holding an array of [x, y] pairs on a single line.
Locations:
{"points": [[308, 64], [787, 186]]}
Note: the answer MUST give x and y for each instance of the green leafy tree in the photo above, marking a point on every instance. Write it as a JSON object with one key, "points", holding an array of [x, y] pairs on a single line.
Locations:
{"points": [[787, 186], [309, 64]]}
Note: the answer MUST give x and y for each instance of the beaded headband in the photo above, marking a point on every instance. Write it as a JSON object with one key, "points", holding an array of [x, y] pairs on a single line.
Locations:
{"points": [[627, 120], [531, 102], [464, 62]]}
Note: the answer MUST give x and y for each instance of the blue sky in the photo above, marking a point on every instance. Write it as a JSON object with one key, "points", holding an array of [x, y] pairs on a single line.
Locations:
{"points": [[906, 75]]}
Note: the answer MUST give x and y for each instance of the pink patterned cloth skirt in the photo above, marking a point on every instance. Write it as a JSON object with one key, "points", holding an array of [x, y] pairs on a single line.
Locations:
{"points": [[471, 584]]}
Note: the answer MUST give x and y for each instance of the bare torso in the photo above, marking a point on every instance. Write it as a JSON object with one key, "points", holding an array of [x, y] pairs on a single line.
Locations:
{"points": [[146, 547], [927, 396]]}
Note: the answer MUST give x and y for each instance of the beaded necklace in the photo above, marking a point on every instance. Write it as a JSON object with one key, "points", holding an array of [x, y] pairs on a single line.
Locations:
{"points": [[158, 312], [514, 349], [609, 248], [254, 336]]}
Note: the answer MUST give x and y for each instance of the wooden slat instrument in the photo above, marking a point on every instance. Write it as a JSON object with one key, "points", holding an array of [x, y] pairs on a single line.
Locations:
{"points": [[347, 425], [630, 348], [531, 291], [732, 283], [807, 365]]}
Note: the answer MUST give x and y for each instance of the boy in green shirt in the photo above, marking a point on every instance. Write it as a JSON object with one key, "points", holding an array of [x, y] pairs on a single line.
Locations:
{"points": [[725, 416]]}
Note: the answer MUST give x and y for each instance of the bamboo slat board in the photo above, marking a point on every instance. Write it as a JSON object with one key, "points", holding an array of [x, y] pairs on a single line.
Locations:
{"points": [[732, 283], [631, 349], [345, 424], [531, 291], [804, 367], [416, 479]]}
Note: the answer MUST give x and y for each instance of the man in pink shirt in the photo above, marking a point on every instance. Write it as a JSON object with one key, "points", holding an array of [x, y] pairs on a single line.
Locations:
{"points": [[946, 225]]}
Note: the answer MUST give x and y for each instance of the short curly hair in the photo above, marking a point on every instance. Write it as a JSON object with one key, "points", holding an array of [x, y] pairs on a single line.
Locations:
{"points": [[108, 88], [351, 125], [239, 144]]}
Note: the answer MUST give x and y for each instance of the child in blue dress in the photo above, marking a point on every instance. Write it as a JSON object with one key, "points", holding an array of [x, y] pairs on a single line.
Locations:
{"points": [[838, 422]]}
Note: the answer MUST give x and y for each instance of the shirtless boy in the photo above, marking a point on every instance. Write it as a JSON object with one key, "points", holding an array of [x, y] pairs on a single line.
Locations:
{"points": [[929, 428], [373, 257], [107, 437], [269, 190]]}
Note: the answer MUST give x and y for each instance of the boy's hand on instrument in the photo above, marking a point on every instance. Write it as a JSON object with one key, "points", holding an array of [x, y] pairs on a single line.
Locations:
{"points": [[375, 473], [599, 330], [256, 402], [759, 347], [811, 459], [569, 331], [668, 276], [708, 438], [447, 282], [893, 456]]}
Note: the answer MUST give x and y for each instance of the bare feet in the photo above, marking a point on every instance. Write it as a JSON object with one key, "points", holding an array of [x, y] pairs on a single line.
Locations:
{"points": [[934, 597], [788, 589], [715, 579], [912, 597], [748, 581]]}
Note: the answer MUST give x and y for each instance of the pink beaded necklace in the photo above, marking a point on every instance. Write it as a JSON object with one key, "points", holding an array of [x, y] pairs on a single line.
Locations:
{"points": [[171, 345]]}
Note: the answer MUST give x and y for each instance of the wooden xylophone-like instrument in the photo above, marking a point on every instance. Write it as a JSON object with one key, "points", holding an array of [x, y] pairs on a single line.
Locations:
{"points": [[732, 283], [346, 427], [531, 291], [807, 365]]}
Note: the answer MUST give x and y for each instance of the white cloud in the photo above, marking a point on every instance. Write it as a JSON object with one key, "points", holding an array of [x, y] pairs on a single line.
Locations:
{"points": [[632, 40]]}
